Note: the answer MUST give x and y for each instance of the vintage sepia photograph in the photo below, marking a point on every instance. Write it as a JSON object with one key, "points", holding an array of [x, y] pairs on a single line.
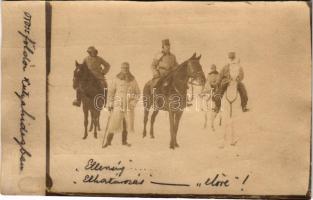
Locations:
{"points": [[177, 99]]}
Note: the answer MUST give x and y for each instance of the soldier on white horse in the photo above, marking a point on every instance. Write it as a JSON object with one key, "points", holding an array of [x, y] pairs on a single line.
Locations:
{"points": [[232, 107], [225, 78]]}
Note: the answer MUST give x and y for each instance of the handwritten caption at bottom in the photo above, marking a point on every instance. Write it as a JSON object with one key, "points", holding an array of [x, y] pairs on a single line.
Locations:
{"points": [[118, 173]]}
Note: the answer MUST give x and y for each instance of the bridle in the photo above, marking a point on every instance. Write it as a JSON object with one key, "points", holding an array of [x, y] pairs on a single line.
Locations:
{"points": [[231, 103], [191, 81]]}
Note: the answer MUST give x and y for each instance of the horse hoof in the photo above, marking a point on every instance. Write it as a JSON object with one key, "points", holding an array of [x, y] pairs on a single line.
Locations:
{"points": [[151, 136], [127, 144], [84, 137], [96, 136], [234, 143], [106, 145], [176, 145]]}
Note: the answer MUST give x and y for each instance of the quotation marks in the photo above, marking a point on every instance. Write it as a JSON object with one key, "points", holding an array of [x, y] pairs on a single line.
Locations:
{"points": [[76, 171], [198, 185]]}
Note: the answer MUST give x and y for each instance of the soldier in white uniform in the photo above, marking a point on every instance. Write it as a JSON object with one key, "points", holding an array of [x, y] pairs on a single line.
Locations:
{"points": [[123, 96], [232, 69]]}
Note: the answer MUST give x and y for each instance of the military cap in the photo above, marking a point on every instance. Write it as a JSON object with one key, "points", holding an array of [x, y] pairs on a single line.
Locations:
{"points": [[92, 49], [165, 42]]}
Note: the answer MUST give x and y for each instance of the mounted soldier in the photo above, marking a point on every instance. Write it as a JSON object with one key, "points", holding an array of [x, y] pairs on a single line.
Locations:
{"points": [[163, 63], [212, 80], [232, 70], [94, 64], [211, 84]]}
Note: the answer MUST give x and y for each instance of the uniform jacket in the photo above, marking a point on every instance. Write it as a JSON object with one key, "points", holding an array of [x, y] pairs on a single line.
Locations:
{"points": [[163, 63], [94, 65], [123, 97], [231, 71], [212, 81]]}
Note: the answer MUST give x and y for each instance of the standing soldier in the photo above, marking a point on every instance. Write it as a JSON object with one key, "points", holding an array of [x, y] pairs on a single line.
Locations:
{"points": [[163, 63], [94, 62], [123, 96]]}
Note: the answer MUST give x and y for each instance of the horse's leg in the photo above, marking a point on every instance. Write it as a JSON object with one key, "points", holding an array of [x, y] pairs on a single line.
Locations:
{"points": [[86, 110], [91, 124], [172, 141], [213, 117], [145, 120], [152, 120], [98, 120], [147, 103], [177, 118], [95, 122], [225, 136], [234, 139], [205, 119]]}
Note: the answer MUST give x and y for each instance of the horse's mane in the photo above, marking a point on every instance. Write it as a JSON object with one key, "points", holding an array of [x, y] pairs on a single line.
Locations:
{"points": [[177, 69]]}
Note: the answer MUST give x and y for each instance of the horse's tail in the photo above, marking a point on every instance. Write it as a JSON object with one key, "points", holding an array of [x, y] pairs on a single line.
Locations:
{"points": [[147, 97]]}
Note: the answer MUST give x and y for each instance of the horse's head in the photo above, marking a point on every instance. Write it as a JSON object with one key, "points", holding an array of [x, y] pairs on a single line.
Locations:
{"points": [[194, 70], [79, 69], [78, 73]]}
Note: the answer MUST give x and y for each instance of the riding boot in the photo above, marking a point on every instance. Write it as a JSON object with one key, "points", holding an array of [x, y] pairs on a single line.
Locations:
{"points": [[109, 140], [243, 96], [124, 139], [77, 101]]}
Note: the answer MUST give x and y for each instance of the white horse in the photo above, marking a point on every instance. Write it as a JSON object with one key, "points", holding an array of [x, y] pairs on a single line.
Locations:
{"points": [[207, 105], [231, 111]]}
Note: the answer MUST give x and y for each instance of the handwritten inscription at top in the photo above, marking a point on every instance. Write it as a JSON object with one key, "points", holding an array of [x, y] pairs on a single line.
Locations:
{"points": [[24, 95], [29, 45]]}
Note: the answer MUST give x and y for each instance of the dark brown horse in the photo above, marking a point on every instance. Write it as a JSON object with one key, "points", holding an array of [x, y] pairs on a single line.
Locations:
{"points": [[173, 97], [93, 96]]}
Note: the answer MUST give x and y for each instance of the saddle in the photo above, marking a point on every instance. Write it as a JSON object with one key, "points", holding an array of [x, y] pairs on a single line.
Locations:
{"points": [[161, 84]]}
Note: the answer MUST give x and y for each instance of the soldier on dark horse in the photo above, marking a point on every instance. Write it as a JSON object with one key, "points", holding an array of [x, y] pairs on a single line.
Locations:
{"points": [[94, 63], [90, 86], [171, 91]]}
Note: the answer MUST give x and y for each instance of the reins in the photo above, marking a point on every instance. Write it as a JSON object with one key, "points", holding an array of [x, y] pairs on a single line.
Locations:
{"points": [[231, 103]]}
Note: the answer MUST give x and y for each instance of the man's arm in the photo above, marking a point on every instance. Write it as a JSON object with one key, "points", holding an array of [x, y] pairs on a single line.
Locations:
{"points": [[154, 65], [106, 66], [111, 95], [240, 75], [175, 62]]}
